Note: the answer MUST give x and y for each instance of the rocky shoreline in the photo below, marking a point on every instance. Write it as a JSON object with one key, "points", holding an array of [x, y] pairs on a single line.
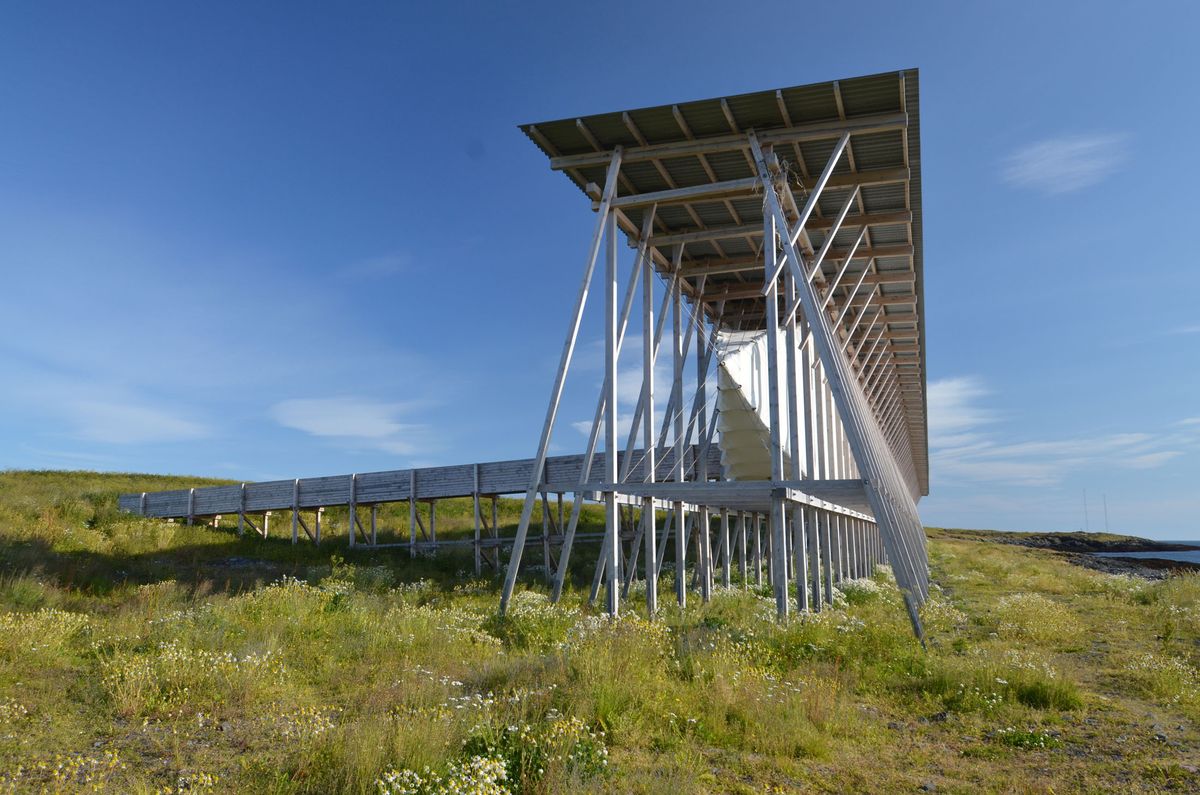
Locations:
{"points": [[1148, 568], [1081, 548]]}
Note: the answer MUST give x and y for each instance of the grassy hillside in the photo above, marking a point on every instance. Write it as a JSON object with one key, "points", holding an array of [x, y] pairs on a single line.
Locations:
{"points": [[143, 656], [1076, 541]]}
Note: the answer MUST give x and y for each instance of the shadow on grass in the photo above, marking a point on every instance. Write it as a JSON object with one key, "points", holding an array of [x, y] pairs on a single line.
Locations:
{"points": [[242, 564]]}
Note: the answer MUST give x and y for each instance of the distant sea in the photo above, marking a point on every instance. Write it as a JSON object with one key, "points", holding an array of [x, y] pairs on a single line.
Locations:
{"points": [[1188, 556]]}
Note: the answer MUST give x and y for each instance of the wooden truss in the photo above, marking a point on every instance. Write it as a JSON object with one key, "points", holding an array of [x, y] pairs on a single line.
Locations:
{"points": [[833, 348]]}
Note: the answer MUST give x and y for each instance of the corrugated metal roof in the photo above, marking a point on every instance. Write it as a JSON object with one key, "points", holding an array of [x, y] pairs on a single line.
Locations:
{"points": [[884, 157]]}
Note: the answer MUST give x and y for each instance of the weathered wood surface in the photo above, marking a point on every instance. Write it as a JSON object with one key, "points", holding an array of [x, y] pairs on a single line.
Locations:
{"points": [[562, 473], [845, 497]]}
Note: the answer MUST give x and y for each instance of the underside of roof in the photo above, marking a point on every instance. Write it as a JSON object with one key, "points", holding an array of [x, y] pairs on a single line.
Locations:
{"points": [[717, 236]]}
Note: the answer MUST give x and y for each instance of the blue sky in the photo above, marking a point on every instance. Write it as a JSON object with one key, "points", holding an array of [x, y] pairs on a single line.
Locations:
{"points": [[276, 240]]}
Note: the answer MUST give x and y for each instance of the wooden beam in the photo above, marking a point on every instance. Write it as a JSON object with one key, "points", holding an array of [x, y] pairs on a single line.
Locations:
{"points": [[735, 291], [755, 230], [714, 266], [882, 176], [709, 190], [815, 131], [885, 300], [731, 320]]}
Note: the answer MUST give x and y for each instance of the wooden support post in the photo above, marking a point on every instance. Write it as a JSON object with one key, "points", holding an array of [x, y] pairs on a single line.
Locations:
{"points": [[546, 537], [677, 403], [874, 541], [374, 526], [496, 529], [726, 558], [741, 544], [241, 510], [860, 569], [813, 535], [433, 524], [191, 508], [778, 521], [266, 523], [650, 336], [839, 548], [799, 558], [811, 520], [296, 511], [868, 563], [559, 533], [704, 553], [842, 551], [770, 557], [788, 571], [757, 520], [704, 547], [826, 557], [855, 547], [876, 549], [796, 511], [142, 502], [412, 512], [873, 550], [835, 547], [352, 505], [478, 549], [317, 524], [612, 517], [869, 546], [848, 545], [851, 548], [602, 221], [597, 422]]}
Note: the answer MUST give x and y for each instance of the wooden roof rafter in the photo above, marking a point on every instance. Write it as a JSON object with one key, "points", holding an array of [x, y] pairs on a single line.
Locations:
{"points": [[694, 162]]}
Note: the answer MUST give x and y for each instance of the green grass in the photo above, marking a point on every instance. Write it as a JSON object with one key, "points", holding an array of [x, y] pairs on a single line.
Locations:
{"points": [[146, 656]]}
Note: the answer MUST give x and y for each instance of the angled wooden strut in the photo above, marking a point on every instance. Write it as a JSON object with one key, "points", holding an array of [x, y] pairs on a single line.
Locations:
{"points": [[514, 563], [889, 494]]}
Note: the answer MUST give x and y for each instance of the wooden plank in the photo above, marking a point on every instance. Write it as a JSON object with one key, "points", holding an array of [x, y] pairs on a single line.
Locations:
{"points": [[497, 477]]}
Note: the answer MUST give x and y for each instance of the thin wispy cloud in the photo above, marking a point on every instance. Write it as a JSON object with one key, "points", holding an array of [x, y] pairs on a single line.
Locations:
{"points": [[358, 421], [1152, 460], [119, 422], [1064, 164], [1192, 329], [375, 267], [964, 446], [955, 415], [82, 409]]}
